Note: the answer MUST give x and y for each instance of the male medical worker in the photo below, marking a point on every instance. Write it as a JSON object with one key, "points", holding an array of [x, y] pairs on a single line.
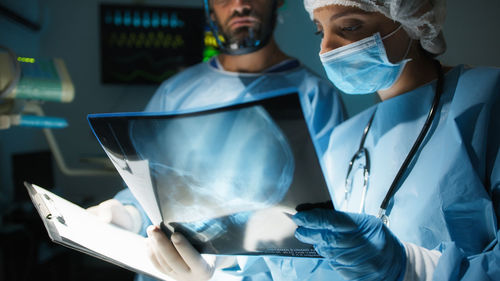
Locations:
{"points": [[251, 66]]}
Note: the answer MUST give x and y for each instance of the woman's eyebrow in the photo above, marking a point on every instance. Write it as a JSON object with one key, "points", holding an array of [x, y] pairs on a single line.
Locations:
{"points": [[347, 13]]}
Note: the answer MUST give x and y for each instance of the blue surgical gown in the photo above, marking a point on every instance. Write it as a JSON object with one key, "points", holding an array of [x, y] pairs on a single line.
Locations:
{"points": [[450, 194], [204, 86]]}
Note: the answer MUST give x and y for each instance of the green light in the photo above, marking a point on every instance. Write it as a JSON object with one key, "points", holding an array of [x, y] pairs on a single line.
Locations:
{"points": [[26, 60], [209, 52]]}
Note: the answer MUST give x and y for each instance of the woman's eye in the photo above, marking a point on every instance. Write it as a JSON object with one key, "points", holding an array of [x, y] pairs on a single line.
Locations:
{"points": [[350, 28], [319, 32]]}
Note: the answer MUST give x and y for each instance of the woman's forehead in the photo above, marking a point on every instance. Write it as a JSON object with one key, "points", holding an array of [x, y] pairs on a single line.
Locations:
{"points": [[332, 12]]}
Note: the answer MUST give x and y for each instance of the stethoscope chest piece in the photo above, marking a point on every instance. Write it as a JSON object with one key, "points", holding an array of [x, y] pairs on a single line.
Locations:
{"points": [[385, 219]]}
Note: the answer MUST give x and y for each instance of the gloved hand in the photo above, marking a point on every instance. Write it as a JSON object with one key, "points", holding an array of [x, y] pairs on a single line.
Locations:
{"points": [[358, 246], [179, 259], [114, 212]]}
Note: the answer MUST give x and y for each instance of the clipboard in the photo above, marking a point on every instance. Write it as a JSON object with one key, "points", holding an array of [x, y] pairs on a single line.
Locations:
{"points": [[71, 226]]}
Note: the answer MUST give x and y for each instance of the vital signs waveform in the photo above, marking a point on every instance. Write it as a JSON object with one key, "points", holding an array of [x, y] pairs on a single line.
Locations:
{"points": [[150, 39], [142, 75], [146, 58]]}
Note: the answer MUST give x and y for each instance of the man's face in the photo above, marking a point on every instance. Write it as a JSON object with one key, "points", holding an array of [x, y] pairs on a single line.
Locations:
{"points": [[239, 20]]}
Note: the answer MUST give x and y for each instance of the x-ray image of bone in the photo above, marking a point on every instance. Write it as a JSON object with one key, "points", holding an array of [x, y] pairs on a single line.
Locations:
{"points": [[213, 165]]}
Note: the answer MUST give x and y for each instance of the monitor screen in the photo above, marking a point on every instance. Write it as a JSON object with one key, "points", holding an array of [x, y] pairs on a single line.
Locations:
{"points": [[148, 44]]}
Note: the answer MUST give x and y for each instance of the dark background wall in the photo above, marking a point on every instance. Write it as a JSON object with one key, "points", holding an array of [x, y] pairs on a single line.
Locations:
{"points": [[69, 30]]}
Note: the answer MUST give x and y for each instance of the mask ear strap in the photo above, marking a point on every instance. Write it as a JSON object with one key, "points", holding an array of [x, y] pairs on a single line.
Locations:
{"points": [[392, 33], [407, 49], [409, 44]]}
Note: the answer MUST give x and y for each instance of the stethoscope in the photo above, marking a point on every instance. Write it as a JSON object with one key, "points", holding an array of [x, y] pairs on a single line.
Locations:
{"points": [[363, 152]]}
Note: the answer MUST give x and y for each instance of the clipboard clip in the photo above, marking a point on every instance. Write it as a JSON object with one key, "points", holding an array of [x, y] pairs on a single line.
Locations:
{"points": [[50, 214]]}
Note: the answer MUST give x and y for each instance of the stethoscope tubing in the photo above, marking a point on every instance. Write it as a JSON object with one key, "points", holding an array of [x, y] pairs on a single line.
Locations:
{"points": [[419, 140], [416, 145]]}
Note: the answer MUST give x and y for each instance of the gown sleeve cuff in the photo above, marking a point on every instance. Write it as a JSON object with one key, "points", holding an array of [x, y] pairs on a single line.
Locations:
{"points": [[420, 262]]}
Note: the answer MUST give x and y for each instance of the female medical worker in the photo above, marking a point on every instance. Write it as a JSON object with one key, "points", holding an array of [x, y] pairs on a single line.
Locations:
{"points": [[415, 179]]}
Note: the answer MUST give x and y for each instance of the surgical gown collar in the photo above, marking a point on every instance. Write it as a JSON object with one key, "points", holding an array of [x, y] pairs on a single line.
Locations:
{"points": [[283, 66]]}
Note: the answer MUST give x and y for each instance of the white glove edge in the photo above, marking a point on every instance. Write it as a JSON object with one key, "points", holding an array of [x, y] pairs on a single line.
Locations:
{"points": [[420, 262]]}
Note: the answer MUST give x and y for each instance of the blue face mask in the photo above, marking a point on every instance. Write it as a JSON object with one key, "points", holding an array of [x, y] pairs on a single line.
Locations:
{"points": [[362, 67]]}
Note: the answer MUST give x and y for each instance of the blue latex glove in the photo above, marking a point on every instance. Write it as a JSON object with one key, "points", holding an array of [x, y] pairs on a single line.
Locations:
{"points": [[359, 246]]}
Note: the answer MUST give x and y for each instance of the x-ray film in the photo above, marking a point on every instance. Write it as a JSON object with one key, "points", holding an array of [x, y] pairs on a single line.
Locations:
{"points": [[228, 178]]}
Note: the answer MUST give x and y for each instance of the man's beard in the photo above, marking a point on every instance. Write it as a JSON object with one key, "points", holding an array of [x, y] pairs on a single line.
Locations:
{"points": [[243, 33]]}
